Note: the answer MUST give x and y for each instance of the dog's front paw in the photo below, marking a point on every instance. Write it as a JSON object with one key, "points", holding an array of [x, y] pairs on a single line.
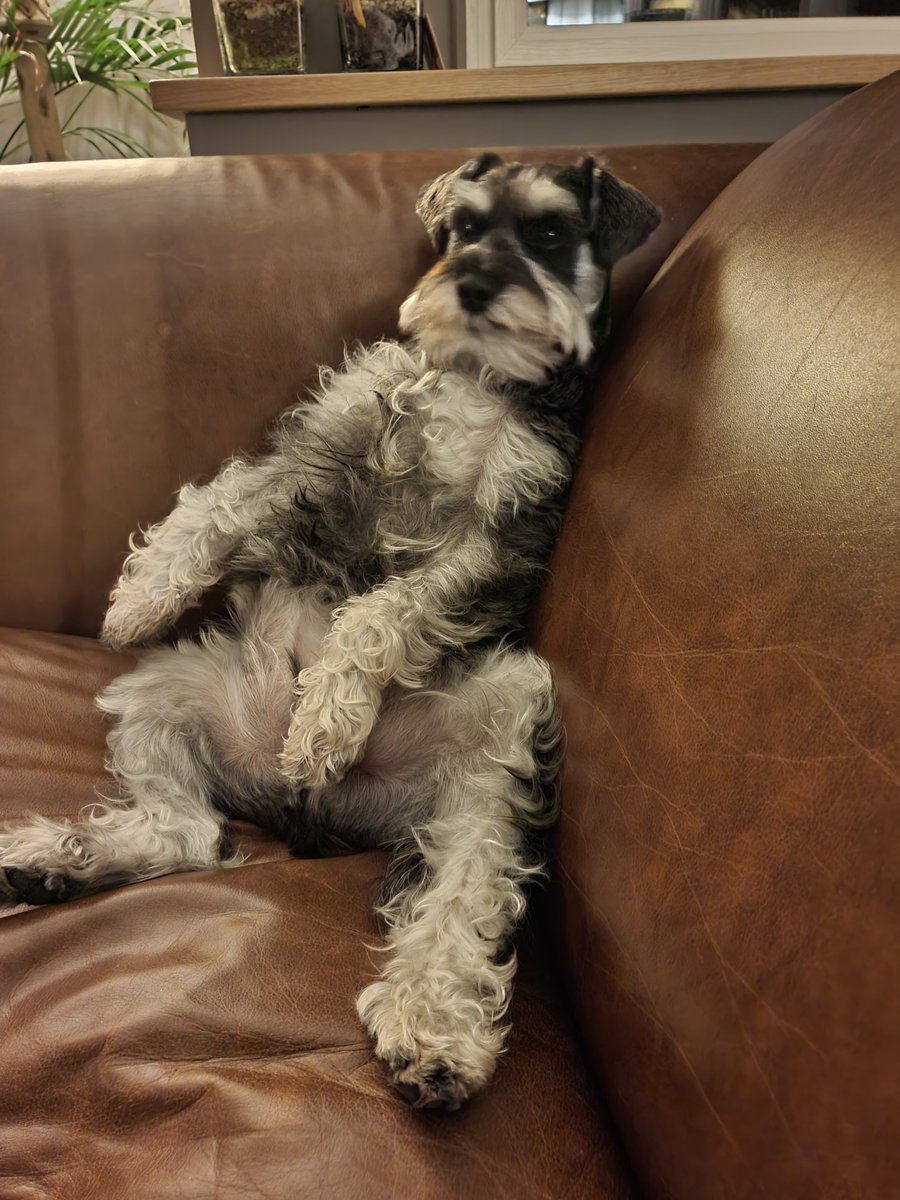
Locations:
{"points": [[134, 620], [308, 759], [436, 1058], [329, 727]]}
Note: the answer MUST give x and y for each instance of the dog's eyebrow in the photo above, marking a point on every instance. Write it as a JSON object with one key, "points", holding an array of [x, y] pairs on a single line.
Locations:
{"points": [[536, 194], [474, 195]]}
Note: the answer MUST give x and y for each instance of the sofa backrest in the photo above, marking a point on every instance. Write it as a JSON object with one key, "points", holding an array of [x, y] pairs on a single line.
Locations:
{"points": [[722, 620], [155, 317]]}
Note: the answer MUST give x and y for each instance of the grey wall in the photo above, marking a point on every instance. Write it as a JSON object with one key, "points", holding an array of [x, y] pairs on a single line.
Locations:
{"points": [[744, 117]]}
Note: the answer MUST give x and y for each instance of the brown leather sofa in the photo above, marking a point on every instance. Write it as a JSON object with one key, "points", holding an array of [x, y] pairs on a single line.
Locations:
{"points": [[708, 999]]}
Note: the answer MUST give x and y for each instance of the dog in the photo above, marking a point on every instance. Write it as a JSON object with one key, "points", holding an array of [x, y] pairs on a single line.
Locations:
{"points": [[370, 685]]}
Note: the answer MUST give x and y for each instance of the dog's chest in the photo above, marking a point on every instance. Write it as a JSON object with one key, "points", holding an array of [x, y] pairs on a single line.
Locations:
{"points": [[477, 447]]}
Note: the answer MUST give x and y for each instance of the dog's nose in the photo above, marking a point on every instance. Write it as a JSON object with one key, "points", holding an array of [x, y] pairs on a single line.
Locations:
{"points": [[476, 291]]}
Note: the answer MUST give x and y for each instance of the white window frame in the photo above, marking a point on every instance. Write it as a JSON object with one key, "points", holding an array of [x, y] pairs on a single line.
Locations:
{"points": [[498, 35]]}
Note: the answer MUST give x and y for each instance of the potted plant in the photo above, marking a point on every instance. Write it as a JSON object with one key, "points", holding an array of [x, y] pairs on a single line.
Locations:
{"points": [[381, 35], [261, 37], [91, 46]]}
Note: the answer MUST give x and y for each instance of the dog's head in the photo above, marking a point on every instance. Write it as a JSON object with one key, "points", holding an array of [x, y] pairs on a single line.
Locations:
{"points": [[525, 255]]}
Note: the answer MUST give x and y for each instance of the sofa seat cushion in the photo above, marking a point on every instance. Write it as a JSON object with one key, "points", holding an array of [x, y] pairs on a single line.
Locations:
{"points": [[196, 1035]]}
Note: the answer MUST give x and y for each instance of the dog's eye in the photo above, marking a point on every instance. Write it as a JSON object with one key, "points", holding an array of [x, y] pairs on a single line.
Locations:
{"points": [[543, 234], [468, 227]]}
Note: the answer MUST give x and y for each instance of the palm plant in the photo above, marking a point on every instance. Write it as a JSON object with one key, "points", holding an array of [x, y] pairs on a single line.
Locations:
{"points": [[99, 44]]}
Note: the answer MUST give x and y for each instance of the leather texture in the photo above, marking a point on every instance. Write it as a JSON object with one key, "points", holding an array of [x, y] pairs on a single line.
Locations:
{"points": [[723, 623], [174, 308]]}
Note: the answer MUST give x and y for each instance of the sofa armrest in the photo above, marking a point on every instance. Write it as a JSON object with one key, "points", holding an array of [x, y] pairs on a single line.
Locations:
{"points": [[723, 624]]}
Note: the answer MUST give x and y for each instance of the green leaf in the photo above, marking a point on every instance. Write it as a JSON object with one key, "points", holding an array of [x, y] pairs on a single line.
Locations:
{"points": [[104, 44], [122, 144], [84, 137], [5, 150], [88, 92]]}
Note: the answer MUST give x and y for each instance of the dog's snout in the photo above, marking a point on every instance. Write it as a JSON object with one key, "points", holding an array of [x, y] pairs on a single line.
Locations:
{"points": [[476, 289]]}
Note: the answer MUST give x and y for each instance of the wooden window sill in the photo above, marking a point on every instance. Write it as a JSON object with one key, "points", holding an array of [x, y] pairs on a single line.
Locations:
{"points": [[262, 93]]}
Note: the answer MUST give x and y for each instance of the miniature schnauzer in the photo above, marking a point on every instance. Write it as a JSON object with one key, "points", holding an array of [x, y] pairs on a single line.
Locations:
{"points": [[370, 685]]}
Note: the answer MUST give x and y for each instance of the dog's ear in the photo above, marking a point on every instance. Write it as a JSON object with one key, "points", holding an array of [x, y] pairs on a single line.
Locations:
{"points": [[621, 218], [436, 199]]}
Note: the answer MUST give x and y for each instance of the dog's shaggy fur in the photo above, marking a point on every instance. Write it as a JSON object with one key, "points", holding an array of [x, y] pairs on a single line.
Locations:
{"points": [[370, 686]]}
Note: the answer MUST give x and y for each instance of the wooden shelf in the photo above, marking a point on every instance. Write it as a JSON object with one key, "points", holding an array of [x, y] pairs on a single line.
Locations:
{"points": [[495, 85]]}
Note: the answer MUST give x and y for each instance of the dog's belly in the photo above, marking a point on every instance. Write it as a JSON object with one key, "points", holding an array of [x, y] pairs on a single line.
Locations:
{"points": [[277, 632], [285, 620]]}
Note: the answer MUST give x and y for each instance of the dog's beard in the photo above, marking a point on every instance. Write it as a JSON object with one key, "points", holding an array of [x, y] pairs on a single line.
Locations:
{"points": [[522, 336]]}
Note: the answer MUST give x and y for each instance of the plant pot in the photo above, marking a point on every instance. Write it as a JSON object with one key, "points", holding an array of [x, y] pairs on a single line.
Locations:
{"points": [[381, 35], [261, 37]]}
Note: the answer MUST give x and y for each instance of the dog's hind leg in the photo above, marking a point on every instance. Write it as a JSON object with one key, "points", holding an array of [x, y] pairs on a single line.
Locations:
{"points": [[437, 1013], [162, 822], [167, 825], [195, 722]]}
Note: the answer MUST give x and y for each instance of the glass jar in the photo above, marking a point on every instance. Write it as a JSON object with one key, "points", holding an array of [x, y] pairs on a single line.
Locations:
{"points": [[381, 35], [261, 37]]}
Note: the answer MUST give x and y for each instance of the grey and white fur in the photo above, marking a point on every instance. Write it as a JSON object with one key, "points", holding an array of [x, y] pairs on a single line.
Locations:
{"points": [[370, 686]]}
